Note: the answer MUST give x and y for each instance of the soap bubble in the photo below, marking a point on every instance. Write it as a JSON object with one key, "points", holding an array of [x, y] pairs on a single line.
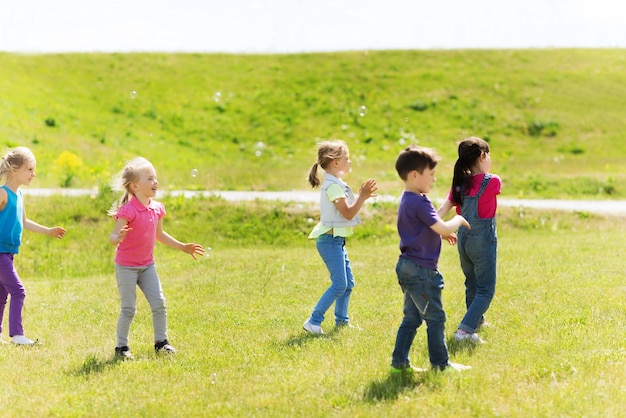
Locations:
{"points": [[207, 252], [217, 96], [259, 147], [362, 111], [213, 378], [194, 173], [133, 94]]}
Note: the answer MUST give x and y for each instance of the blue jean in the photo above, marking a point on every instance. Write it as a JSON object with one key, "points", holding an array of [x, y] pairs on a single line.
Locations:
{"points": [[478, 253], [334, 254], [422, 302]]}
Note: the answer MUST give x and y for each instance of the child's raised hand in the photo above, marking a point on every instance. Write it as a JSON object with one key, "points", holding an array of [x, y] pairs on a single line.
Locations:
{"points": [[368, 188], [193, 249]]}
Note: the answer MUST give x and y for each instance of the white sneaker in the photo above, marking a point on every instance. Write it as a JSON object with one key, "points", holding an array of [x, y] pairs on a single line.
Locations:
{"points": [[461, 335], [313, 329], [458, 367], [21, 340]]}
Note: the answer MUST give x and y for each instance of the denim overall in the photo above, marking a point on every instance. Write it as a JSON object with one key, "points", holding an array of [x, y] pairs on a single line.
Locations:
{"points": [[478, 252]]}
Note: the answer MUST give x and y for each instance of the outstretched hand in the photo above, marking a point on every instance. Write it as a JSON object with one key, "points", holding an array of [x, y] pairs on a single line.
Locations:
{"points": [[452, 238], [57, 232], [193, 249], [368, 188], [464, 222]]}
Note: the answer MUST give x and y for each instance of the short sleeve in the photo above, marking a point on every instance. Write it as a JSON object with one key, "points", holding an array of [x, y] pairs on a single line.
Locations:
{"points": [[426, 212], [161, 210], [334, 192], [126, 212]]}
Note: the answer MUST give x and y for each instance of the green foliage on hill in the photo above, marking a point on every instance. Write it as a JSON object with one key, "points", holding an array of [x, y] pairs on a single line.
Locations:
{"points": [[553, 117]]}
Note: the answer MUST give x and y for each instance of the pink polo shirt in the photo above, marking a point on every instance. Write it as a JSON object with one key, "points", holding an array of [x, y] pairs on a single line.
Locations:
{"points": [[137, 249]]}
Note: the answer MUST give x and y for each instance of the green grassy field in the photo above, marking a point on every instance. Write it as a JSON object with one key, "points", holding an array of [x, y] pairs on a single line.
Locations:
{"points": [[554, 120], [554, 117], [554, 347]]}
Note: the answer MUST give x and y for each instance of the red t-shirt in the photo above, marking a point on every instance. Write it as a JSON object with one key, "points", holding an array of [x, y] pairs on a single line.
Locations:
{"points": [[487, 203]]}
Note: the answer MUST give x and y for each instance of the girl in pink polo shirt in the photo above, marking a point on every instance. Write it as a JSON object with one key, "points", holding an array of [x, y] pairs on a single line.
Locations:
{"points": [[474, 192], [138, 225]]}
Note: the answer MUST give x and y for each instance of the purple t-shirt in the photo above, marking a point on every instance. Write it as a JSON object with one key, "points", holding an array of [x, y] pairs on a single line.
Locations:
{"points": [[418, 242]]}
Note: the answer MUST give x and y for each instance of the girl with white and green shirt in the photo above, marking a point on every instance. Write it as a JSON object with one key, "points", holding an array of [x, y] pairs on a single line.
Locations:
{"points": [[338, 215]]}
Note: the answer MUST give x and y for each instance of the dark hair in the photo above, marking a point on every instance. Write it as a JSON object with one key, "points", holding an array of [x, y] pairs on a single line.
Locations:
{"points": [[470, 150], [327, 151], [416, 158]]}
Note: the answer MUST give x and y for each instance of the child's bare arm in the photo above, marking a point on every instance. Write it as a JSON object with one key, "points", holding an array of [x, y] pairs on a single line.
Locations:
{"points": [[367, 190], [448, 227], [445, 208], [120, 231], [190, 248], [30, 225]]}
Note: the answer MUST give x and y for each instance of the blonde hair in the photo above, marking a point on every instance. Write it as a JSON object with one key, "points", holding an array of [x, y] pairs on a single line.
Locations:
{"points": [[14, 159], [125, 178], [327, 151]]}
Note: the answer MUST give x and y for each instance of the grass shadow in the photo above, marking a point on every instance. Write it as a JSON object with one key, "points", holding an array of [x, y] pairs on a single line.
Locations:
{"points": [[303, 337], [93, 365], [393, 385]]}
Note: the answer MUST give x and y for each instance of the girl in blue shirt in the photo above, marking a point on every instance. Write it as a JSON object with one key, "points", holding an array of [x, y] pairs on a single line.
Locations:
{"points": [[18, 166]]}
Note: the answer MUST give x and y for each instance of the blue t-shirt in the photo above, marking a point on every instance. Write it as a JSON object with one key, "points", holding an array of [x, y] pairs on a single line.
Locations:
{"points": [[11, 222], [418, 242]]}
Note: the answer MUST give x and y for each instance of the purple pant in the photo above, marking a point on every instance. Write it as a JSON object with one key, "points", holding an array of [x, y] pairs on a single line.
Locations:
{"points": [[10, 284]]}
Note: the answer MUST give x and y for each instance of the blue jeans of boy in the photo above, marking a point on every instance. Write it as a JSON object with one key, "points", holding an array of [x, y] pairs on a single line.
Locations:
{"points": [[422, 302], [333, 252]]}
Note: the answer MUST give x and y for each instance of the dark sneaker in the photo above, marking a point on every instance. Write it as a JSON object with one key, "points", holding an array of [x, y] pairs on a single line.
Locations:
{"points": [[163, 347], [123, 353]]}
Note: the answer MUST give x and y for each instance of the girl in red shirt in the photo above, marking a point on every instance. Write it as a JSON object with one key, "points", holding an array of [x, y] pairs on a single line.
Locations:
{"points": [[474, 192]]}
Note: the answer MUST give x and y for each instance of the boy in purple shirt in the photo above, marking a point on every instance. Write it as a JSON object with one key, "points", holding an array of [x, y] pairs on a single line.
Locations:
{"points": [[421, 229]]}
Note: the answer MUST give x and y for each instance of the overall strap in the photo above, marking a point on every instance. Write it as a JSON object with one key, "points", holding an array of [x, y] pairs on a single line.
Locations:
{"points": [[483, 184]]}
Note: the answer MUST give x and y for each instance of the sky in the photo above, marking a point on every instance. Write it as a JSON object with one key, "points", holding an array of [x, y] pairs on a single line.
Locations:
{"points": [[289, 26]]}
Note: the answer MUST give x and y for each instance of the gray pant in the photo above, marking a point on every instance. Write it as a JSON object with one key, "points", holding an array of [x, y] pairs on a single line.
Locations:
{"points": [[128, 278]]}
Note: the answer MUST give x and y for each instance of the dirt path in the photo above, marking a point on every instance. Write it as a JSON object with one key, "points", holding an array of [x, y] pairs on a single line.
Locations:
{"points": [[602, 207]]}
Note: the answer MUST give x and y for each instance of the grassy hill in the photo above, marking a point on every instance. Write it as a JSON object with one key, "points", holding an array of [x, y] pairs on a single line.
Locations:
{"points": [[553, 117], [555, 122]]}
